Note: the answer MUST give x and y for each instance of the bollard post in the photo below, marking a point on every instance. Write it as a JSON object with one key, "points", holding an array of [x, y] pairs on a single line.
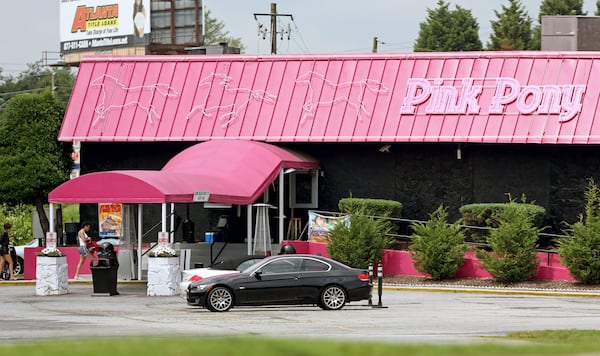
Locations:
{"points": [[379, 285], [379, 282], [370, 281]]}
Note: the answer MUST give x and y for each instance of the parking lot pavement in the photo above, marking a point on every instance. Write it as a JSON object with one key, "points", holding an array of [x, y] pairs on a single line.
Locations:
{"points": [[405, 316]]}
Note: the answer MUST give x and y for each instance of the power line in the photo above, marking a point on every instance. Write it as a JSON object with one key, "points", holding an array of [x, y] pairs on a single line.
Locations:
{"points": [[21, 91], [301, 39]]}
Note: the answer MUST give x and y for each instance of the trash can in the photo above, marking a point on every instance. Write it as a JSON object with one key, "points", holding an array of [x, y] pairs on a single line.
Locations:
{"points": [[71, 230], [188, 230], [104, 275]]}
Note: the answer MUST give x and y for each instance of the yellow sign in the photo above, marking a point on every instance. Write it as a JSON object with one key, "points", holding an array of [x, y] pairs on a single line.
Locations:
{"points": [[110, 217]]}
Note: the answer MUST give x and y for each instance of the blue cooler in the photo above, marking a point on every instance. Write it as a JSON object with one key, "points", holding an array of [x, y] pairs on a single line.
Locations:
{"points": [[209, 237]]}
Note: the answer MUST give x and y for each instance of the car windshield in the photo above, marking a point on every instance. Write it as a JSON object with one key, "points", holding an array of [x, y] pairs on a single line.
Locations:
{"points": [[236, 264]]}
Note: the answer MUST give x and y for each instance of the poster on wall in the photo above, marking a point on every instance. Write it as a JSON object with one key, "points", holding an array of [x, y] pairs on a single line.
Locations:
{"points": [[110, 219], [319, 225]]}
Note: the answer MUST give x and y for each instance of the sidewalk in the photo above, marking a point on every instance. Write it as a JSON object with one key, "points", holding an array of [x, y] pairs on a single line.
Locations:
{"points": [[493, 290], [84, 279], [429, 287]]}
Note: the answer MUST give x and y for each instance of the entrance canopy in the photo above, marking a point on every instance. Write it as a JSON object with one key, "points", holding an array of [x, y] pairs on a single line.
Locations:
{"points": [[231, 171]]}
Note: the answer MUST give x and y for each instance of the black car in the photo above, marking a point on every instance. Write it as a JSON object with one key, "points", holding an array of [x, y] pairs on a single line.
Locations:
{"points": [[284, 279]]}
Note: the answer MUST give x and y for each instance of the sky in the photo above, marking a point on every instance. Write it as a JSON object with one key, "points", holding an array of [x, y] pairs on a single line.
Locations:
{"points": [[31, 27]]}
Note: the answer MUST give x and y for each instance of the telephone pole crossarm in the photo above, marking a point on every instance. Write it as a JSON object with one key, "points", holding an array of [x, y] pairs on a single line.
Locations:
{"points": [[273, 15]]}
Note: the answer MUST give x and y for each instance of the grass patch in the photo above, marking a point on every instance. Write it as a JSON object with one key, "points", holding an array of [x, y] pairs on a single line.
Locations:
{"points": [[568, 342], [571, 336]]}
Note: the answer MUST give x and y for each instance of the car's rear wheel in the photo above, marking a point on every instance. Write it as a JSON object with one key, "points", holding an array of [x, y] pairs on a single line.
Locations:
{"points": [[333, 298], [219, 299]]}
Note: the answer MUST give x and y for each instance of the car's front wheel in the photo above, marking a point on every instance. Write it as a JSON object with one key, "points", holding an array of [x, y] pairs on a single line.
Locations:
{"points": [[333, 298], [219, 299]]}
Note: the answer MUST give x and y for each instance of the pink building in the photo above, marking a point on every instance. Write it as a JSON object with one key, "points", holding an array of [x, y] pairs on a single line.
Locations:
{"points": [[419, 128]]}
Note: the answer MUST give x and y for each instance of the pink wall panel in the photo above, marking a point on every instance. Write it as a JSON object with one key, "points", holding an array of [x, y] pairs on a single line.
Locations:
{"points": [[285, 107], [185, 77], [399, 262], [493, 97], [263, 101], [585, 125], [386, 70]]}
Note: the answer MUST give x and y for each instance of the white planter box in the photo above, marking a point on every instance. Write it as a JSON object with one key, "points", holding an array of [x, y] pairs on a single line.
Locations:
{"points": [[164, 276], [51, 276]]}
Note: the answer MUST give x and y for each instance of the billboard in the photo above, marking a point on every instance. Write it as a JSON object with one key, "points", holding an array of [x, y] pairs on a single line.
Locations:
{"points": [[98, 25]]}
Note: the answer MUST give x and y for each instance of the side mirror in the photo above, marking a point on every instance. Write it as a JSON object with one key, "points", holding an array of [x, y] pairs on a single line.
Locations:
{"points": [[258, 275]]}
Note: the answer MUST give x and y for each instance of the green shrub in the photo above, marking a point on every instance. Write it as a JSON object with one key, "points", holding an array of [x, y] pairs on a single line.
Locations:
{"points": [[513, 257], [580, 253], [361, 242], [484, 215], [70, 213], [438, 247], [373, 207], [19, 217]]}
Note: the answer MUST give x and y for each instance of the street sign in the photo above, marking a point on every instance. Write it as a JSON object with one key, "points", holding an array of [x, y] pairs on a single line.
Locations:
{"points": [[201, 196]]}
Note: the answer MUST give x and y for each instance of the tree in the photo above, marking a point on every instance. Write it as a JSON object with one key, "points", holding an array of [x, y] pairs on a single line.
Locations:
{"points": [[215, 33], [597, 13], [359, 243], [37, 78], [33, 161], [512, 29], [513, 257], [448, 30], [438, 248], [554, 8], [580, 252]]}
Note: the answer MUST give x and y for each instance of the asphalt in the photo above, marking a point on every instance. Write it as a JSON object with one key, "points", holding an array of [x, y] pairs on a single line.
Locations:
{"points": [[397, 313]]}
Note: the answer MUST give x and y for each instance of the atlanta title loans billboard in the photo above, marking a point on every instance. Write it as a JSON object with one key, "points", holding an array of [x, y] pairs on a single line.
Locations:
{"points": [[98, 25]]}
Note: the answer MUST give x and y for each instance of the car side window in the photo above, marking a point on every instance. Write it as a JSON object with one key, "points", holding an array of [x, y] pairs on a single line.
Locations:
{"points": [[282, 266], [310, 265]]}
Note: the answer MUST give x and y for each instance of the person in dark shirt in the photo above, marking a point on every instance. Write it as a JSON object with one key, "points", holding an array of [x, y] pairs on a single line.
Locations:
{"points": [[5, 252]]}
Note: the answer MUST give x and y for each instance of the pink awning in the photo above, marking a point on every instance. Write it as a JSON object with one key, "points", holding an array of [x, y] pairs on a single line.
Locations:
{"points": [[482, 97], [231, 171]]}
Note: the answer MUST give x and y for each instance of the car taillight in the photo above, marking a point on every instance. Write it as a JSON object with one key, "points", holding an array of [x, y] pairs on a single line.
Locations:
{"points": [[195, 278], [364, 277]]}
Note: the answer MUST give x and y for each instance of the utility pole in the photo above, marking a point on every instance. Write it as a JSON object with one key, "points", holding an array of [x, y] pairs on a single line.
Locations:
{"points": [[273, 15], [375, 42]]}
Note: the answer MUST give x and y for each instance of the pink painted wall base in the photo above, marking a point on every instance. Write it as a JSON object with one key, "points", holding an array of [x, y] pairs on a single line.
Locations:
{"points": [[399, 262]]}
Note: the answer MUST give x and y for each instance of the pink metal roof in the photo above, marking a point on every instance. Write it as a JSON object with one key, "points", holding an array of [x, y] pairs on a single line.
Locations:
{"points": [[232, 171], [490, 97]]}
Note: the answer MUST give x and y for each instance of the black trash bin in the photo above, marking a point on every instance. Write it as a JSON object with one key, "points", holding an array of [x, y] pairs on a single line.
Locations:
{"points": [[71, 230], [104, 275]]}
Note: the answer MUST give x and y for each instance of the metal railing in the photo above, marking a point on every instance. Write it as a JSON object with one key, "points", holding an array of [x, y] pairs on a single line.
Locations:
{"points": [[405, 234]]}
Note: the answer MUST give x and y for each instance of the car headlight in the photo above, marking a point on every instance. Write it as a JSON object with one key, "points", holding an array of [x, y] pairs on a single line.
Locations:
{"points": [[198, 287]]}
